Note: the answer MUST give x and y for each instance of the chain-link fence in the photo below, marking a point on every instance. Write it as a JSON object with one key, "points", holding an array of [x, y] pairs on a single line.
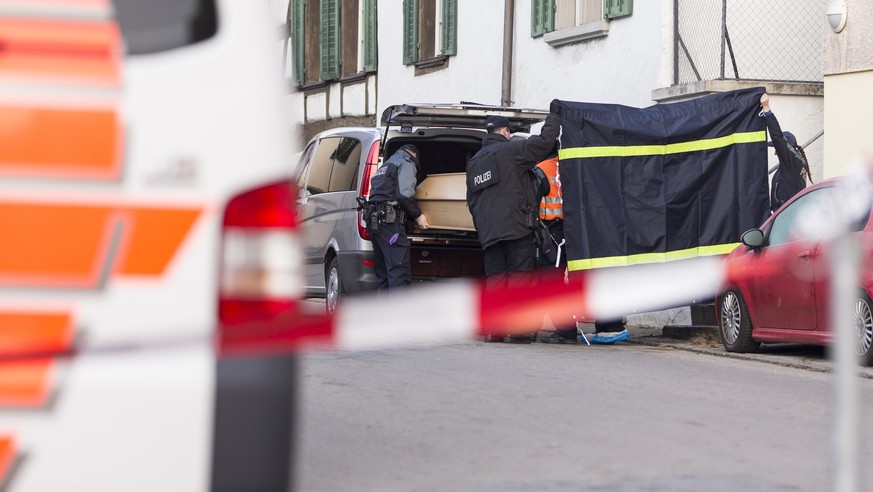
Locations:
{"points": [[747, 39]]}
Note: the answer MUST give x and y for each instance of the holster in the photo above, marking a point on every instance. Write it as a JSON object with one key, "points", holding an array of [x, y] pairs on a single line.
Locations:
{"points": [[393, 213], [376, 213], [390, 213], [370, 211]]}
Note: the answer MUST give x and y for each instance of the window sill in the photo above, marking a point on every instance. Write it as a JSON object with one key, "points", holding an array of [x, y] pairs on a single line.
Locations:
{"points": [[691, 90], [569, 35], [355, 77], [431, 65], [318, 84]]}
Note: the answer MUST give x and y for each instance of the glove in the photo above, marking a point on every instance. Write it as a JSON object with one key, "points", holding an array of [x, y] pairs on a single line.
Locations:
{"points": [[555, 106]]}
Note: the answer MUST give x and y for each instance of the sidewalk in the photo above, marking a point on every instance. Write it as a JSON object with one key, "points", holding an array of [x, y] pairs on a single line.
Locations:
{"points": [[705, 340]]}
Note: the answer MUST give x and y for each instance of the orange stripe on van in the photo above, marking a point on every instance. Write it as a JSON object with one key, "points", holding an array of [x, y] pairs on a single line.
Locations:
{"points": [[25, 383], [52, 245], [60, 142], [34, 332], [71, 50], [156, 235], [7, 456], [59, 245]]}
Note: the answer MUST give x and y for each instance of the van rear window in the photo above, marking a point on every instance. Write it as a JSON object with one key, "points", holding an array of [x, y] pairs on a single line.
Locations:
{"points": [[152, 26]]}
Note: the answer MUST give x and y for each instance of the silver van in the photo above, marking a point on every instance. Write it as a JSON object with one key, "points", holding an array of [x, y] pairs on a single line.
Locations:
{"points": [[335, 169]]}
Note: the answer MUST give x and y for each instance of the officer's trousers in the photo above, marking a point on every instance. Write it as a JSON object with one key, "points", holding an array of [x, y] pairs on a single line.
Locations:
{"points": [[511, 262], [391, 260]]}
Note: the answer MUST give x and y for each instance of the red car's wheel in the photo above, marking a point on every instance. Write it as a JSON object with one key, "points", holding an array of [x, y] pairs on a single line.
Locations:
{"points": [[734, 324], [862, 316]]}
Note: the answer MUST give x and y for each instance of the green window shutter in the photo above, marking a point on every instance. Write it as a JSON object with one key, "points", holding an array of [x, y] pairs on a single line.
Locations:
{"points": [[296, 18], [542, 17], [536, 18], [370, 45], [617, 8], [549, 15], [410, 31], [450, 27], [330, 41]]}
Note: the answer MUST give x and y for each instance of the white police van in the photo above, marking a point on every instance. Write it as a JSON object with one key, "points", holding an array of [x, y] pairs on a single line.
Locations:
{"points": [[148, 223]]}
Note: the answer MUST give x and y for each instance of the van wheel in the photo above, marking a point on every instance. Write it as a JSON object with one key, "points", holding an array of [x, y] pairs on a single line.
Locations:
{"points": [[862, 317], [734, 324], [333, 286]]}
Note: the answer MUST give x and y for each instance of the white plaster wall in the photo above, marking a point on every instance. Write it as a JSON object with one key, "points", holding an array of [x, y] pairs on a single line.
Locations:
{"points": [[848, 60], [354, 99], [316, 106], [850, 50], [623, 67], [371, 91], [473, 74], [334, 101], [847, 121]]}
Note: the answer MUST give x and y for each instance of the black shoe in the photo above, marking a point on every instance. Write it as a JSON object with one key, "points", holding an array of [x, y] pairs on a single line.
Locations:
{"points": [[492, 338], [559, 337], [519, 338]]}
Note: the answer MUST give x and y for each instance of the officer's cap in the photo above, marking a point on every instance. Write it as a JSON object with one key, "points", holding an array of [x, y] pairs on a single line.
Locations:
{"points": [[410, 148], [495, 121]]}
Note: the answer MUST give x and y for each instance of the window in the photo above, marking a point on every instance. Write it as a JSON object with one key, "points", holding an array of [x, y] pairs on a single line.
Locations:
{"points": [[346, 158], [784, 227], [550, 15], [304, 166], [429, 29], [334, 166], [331, 39]]}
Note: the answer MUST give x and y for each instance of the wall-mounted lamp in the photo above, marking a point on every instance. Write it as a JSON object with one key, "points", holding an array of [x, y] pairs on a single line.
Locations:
{"points": [[837, 15]]}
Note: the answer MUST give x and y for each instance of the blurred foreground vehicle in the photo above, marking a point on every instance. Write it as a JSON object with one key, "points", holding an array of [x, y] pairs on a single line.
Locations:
{"points": [[778, 281], [143, 209]]}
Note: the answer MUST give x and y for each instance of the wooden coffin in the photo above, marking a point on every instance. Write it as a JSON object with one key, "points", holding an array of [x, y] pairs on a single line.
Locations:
{"points": [[443, 199]]}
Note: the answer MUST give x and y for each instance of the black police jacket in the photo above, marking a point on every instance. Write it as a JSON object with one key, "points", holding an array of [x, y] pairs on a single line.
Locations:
{"points": [[788, 180], [395, 180], [505, 210]]}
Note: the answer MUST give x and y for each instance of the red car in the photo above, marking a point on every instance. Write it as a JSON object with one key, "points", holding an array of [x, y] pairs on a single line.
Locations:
{"points": [[777, 282]]}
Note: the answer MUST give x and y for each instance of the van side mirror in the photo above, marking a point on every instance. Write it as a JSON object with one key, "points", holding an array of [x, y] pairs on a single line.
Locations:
{"points": [[753, 238]]}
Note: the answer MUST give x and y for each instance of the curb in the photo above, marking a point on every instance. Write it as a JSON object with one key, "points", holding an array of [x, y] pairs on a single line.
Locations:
{"points": [[688, 331]]}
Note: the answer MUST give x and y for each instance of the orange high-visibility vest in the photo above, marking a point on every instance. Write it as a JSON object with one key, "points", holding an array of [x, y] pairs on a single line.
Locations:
{"points": [[551, 206]]}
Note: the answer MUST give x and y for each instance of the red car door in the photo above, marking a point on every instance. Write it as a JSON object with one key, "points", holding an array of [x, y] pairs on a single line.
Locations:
{"points": [[785, 297]]}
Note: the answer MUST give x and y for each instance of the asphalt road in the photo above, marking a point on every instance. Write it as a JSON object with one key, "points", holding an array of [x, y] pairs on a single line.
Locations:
{"points": [[645, 416]]}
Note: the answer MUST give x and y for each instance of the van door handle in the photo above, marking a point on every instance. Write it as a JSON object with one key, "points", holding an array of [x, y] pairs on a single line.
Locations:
{"points": [[804, 255]]}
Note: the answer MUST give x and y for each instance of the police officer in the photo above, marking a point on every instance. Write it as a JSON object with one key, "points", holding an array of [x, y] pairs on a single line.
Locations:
{"points": [[391, 202], [793, 171], [501, 201]]}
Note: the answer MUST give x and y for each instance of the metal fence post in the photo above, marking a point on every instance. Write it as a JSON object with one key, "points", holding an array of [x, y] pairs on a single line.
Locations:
{"points": [[723, 37], [675, 42]]}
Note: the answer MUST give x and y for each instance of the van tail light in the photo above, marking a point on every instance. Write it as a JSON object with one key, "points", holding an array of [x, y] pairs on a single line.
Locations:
{"points": [[372, 163], [261, 270]]}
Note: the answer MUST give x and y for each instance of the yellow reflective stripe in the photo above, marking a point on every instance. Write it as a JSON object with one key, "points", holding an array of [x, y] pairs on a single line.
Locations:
{"points": [[683, 254], [676, 148]]}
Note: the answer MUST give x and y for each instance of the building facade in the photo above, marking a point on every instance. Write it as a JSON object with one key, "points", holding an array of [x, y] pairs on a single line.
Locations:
{"points": [[347, 60], [848, 77]]}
